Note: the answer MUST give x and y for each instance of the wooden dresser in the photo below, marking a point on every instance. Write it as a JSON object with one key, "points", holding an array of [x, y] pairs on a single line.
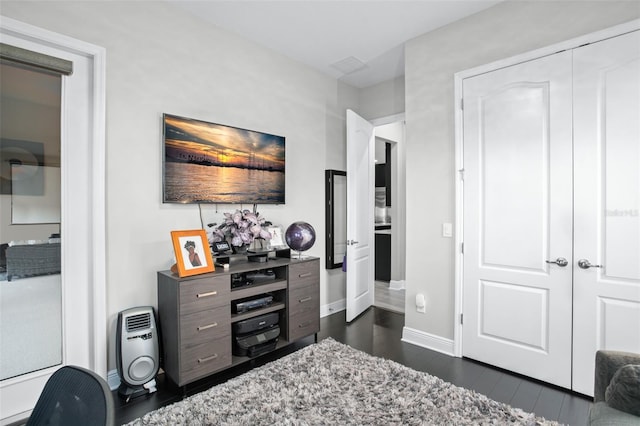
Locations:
{"points": [[195, 313]]}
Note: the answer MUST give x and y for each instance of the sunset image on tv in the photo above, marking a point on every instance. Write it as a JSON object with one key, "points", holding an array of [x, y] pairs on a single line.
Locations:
{"points": [[213, 163]]}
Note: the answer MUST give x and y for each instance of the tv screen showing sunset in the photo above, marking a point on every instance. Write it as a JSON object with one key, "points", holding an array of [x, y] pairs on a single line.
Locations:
{"points": [[213, 163]]}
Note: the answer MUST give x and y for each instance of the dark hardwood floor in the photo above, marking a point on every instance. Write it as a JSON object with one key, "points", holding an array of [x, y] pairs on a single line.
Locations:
{"points": [[378, 332]]}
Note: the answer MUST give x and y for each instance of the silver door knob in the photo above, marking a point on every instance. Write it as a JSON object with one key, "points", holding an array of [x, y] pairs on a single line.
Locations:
{"points": [[352, 242], [561, 261], [585, 264]]}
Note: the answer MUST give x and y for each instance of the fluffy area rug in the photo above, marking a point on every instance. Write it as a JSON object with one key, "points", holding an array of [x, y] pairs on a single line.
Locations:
{"points": [[329, 383]]}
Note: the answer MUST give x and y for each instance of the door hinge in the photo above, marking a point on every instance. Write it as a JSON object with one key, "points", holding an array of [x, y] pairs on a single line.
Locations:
{"points": [[462, 104], [461, 318], [462, 248], [461, 171]]}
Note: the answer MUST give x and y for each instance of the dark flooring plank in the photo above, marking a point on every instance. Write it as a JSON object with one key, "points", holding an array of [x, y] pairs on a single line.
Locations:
{"points": [[487, 381], [549, 403], [575, 411], [526, 395], [464, 373], [505, 388]]}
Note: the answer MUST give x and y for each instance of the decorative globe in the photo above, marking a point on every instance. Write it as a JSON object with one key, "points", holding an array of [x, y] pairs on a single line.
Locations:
{"points": [[300, 236]]}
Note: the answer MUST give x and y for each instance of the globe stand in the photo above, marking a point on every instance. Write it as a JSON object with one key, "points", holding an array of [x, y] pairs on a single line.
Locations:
{"points": [[301, 256]]}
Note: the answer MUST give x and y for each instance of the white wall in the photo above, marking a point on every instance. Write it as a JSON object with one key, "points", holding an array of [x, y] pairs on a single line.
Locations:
{"points": [[383, 99], [159, 59], [505, 30]]}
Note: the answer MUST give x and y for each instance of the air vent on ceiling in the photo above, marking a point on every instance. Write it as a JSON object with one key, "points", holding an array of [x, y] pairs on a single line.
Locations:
{"points": [[349, 65]]}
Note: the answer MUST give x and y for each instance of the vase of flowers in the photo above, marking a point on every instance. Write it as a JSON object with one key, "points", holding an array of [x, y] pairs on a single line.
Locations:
{"points": [[240, 228]]}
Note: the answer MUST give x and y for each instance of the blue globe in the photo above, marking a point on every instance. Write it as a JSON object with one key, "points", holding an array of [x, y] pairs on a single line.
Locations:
{"points": [[300, 236]]}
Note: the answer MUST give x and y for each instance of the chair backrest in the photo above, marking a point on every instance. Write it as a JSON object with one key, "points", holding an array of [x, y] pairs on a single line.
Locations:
{"points": [[74, 396]]}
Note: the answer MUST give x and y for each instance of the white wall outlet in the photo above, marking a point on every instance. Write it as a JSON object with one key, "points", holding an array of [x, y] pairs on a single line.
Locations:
{"points": [[421, 303], [447, 230]]}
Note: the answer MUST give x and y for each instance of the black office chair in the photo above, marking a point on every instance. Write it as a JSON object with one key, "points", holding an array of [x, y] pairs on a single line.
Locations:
{"points": [[74, 396]]}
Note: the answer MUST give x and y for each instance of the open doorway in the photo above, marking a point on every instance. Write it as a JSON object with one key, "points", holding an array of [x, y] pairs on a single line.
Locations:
{"points": [[360, 253], [389, 289]]}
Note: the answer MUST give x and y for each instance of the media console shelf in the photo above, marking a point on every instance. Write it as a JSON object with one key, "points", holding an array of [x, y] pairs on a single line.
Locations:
{"points": [[195, 313]]}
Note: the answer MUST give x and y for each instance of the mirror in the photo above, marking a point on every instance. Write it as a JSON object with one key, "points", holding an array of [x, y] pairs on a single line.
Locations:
{"points": [[335, 217]]}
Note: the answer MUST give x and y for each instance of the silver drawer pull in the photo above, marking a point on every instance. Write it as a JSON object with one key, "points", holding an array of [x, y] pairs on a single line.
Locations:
{"points": [[305, 299], [304, 324], [211, 293], [306, 274], [204, 327], [207, 359]]}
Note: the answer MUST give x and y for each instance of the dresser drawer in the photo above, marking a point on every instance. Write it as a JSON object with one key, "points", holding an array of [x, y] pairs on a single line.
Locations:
{"points": [[204, 293], [204, 359], [304, 324], [304, 274], [205, 325], [303, 299]]}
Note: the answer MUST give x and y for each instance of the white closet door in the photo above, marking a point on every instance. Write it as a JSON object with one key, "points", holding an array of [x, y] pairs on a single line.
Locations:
{"points": [[518, 216], [607, 202]]}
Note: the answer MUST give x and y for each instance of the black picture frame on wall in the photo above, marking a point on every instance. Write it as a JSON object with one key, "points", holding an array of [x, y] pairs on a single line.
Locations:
{"points": [[335, 218]]}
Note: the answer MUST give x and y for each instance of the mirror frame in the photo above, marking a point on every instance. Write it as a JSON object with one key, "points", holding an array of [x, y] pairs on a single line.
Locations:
{"points": [[331, 217]]}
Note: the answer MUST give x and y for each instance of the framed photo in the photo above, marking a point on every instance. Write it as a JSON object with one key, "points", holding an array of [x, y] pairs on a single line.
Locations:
{"points": [[277, 237], [193, 255]]}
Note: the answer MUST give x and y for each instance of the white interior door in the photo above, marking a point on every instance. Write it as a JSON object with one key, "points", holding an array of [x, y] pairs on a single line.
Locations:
{"points": [[518, 218], [607, 202], [360, 210]]}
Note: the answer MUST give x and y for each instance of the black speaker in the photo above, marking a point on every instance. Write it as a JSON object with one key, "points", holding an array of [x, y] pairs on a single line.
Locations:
{"points": [[137, 352]]}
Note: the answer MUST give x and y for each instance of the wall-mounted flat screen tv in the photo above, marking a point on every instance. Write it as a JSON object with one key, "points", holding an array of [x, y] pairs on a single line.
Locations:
{"points": [[214, 163]]}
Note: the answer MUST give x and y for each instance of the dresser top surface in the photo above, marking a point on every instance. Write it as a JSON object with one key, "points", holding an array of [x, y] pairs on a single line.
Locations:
{"points": [[244, 266]]}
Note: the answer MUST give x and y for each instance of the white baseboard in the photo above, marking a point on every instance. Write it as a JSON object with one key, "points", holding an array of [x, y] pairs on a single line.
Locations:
{"points": [[429, 341], [396, 285], [332, 308]]}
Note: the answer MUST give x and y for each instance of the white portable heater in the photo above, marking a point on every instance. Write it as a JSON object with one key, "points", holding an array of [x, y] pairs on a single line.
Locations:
{"points": [[137, 352]]}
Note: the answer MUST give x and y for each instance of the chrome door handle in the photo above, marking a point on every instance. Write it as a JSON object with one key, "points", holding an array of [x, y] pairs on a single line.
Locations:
{"points": [[585, 264], [561, 261], [352, 242]]}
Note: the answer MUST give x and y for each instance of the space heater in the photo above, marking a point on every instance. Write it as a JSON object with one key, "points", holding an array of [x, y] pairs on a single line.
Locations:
{"points": [[137, 352]]}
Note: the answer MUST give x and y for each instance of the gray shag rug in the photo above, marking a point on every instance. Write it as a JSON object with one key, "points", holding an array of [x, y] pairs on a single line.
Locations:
{"points": [[329, 383]]}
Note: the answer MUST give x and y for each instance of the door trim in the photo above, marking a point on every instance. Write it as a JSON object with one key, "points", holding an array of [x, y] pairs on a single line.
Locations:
{"points": [[458, 141], [93, 353]]}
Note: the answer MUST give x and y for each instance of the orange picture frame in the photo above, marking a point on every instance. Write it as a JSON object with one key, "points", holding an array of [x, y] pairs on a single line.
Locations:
{"points": [[193, 255]]}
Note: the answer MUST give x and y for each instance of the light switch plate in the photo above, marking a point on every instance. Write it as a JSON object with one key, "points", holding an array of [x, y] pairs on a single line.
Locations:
{"points": [[447, 230]]}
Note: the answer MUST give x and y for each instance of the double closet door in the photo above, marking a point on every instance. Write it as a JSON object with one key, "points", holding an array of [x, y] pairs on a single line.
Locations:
{"points": [[552, 212]]}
